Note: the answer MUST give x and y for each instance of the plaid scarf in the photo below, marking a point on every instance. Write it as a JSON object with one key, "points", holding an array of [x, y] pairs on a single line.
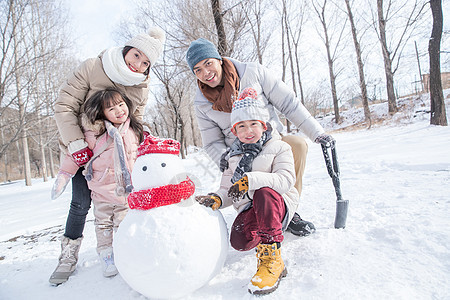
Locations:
{"points": [[249, 152]]}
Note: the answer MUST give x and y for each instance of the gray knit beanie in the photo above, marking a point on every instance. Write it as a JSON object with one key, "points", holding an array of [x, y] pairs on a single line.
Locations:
{"points": [[151, 44], [199, 50]]}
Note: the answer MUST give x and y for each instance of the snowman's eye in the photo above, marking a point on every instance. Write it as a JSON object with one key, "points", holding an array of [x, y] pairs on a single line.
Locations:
{"points": [[163, 165], [144, 168]]}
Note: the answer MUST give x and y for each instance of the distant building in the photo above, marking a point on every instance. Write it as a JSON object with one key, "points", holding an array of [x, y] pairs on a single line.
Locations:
{"points": [[445, 78]]}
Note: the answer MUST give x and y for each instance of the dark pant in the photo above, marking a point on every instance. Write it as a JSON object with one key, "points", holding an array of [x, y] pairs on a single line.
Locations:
{"points": [[261, 223], [79, 207]]}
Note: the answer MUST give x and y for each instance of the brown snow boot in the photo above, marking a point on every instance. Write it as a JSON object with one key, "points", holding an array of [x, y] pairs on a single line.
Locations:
{"points": [[270, 269], [67, 260]]}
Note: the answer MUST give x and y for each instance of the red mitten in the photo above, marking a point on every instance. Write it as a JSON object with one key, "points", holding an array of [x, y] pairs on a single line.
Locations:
{"points": [[82, 156], [80, 152]]}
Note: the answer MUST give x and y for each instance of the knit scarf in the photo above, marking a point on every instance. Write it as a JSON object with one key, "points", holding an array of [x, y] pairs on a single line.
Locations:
{"points": [[222, 97], [161, 196], [249, 151], [117, 70], [121, 172]]}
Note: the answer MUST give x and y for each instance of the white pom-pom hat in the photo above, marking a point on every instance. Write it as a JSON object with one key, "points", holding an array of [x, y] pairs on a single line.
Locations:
{"points": [[151, 44]]}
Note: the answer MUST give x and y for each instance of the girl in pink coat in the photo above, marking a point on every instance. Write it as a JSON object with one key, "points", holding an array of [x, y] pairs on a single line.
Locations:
{"points": [[113, 135]]}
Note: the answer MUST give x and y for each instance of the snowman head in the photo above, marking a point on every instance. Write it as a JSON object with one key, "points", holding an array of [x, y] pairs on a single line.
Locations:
{"points": [[158, 164]]}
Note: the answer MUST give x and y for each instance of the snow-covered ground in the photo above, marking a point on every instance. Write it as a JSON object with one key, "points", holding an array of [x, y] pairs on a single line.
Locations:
{"points": [[396, 244]]}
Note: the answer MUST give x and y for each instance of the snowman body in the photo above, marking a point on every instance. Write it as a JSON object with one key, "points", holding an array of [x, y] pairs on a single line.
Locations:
{"points": [[170, 250]]}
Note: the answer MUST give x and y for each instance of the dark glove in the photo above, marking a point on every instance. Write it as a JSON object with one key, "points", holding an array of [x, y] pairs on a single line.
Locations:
{"points": [[212, 201], [326, 140], [224, 161], [239, 188]]}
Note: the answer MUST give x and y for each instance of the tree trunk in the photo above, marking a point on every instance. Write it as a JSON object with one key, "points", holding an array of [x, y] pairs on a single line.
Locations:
{"points": [[300, 85], [23, 134], [218, 19], [44, 160], [362, 81], [5, 158], [291, 61], [438, 113], [392, 103], [337, 116]]}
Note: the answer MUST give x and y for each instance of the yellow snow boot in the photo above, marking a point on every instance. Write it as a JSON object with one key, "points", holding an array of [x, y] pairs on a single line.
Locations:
{"points": [[270, 269]]}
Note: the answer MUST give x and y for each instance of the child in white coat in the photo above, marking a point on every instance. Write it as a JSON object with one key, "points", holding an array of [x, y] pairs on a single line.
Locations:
{"points": [[259, 183]]}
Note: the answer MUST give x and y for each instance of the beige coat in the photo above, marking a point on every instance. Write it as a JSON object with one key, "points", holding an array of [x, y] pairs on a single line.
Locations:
{"points": [[87, 79], [273, 168]]}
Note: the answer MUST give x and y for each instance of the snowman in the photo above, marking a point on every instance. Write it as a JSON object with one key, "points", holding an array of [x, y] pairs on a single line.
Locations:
{"points": [[168, 245]]}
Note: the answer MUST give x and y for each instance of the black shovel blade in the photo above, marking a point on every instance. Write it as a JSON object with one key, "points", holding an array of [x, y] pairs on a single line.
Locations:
{"points": [[341, 213]]}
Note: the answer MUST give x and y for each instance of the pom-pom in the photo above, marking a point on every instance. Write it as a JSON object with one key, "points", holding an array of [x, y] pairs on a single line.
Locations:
{"points": [[157, 33]]}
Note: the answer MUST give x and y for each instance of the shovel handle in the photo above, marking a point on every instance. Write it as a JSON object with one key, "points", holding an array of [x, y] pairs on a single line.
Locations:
{"points": [[333, 171]]}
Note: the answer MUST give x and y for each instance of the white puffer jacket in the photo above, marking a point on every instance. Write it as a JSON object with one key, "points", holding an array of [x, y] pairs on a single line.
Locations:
{"points": [[215, 126], [274, 168]]}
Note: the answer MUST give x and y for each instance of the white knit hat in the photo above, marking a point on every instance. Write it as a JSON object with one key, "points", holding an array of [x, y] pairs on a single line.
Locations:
{"points": [[249, 107], [151, 44]]}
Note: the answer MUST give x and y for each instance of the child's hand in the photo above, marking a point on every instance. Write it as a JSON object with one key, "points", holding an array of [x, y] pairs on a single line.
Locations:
{"points": [[62, 179], [239, 188], [209, 201]]}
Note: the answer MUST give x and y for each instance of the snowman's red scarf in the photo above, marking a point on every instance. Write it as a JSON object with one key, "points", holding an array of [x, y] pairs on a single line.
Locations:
{"points": [[160, 196]]}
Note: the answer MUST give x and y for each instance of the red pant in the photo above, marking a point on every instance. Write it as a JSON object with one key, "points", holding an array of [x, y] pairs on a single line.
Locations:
{"points": [[261, 223]]}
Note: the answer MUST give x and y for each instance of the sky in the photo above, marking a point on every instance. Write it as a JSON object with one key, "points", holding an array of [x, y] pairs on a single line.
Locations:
{"points": [[94, 22], [396, 243]]}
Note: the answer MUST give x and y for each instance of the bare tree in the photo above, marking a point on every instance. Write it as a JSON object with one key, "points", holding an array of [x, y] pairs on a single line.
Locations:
{"points": [[362, 80], [320, 10], [218, 20], [30, 43], [412, 13], [21, 103], [438, 113], [293, 17], [255, 12]]}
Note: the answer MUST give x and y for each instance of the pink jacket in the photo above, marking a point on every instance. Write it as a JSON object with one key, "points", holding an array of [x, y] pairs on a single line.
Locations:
{"points": [[103, 183]]}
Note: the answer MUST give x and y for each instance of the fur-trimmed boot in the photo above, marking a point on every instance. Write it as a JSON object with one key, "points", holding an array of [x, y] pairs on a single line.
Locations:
{"points": [[67, 261], [108, 265], [270, 269]]}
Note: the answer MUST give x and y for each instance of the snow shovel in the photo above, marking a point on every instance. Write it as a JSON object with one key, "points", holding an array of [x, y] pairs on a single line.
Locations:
{"points": [[333, 171]]}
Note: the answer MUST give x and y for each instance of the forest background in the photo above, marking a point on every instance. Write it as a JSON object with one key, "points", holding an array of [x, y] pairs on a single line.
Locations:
{"points": [[310, 44]]}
